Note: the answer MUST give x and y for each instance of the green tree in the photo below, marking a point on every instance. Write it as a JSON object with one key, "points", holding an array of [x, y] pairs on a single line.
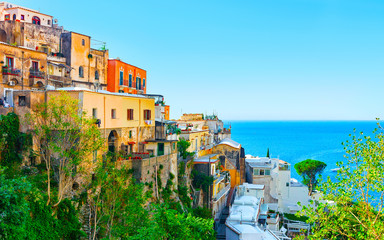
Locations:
{"points": [[66, 138], [353, 204], [13, 143], [14, 209], [309, 169], [182, 146], [268, 153], [170, 224], [117, 202]]}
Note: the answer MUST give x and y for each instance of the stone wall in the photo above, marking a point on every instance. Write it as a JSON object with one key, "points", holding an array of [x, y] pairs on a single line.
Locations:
{"points": [[31, 35], [144, 170]]}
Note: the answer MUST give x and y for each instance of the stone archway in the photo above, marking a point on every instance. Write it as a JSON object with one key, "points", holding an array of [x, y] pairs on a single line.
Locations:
{"points": [[113, 141]]}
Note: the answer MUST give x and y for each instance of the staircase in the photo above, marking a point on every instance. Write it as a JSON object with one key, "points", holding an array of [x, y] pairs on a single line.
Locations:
{"points": [[85, 218]]}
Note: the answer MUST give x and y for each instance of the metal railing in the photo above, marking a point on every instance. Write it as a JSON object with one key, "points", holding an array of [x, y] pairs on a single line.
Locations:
{"points": [[34, 73], [11, 71]]}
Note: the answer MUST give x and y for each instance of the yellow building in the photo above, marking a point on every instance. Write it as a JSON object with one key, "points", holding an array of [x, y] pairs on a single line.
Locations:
{"points": [[199, 139], [125, 121], [233, 160]]}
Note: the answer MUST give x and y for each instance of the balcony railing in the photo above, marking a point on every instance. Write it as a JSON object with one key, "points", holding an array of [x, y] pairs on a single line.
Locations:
{"points": [[11, 71], [222, 192], [33, 73], [64, 80]]}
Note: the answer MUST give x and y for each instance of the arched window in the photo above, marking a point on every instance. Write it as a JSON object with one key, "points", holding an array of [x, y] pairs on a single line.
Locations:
{"points": [[14, 17], [81, 72], [97, 75], [36, 20]]}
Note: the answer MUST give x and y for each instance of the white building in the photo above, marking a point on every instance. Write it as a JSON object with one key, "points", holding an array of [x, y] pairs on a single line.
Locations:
{"points": [[248, 216], [282, 193], [12, 12]]}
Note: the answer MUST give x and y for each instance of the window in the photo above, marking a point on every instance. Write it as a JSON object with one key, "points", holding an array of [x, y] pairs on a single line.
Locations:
{"points": [[14, 17], [94, 112], [83, 42], [261, 171], [121, 91], [49, 22], [121, 78], [81, 72], [143, 82], [35, 65], [113, 113], [97, 75], [22, 101], [267, 172], [130, 80], [160, 149], [287, 184], [129, 114], [256, 171], [10, 62], [138, 83], [130, 134], [35, 20], [7, 17], [147, 114], [22, 17]]}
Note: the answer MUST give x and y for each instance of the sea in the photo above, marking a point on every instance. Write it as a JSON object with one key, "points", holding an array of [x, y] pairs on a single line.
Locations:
{"points": [[295, 141]]}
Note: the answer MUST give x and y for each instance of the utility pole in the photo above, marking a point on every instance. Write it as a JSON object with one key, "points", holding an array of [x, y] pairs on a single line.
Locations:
{"points": [[22, 70]]}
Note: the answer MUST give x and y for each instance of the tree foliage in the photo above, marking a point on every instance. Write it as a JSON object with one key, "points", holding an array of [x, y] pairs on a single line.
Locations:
{"points": [[309, 169], [170, 224], [66, 137], [14, 209], [182, 146], [353, 204], [12, 142], [117, 202], [24, 214]]}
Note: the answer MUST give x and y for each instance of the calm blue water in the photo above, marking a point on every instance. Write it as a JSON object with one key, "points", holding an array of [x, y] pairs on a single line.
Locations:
{"points": [[294, 141]]}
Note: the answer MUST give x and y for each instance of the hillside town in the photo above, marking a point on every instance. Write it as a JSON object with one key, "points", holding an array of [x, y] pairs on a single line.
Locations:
{"points": [[249, 197]]}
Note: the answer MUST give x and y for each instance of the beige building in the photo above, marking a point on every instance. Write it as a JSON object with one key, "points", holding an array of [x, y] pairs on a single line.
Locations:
{"points": [[12, 12], [21, 69]]}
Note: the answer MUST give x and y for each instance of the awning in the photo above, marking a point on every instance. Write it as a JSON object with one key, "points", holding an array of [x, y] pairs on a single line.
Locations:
{"points": [[131, 143], [144, 142]]}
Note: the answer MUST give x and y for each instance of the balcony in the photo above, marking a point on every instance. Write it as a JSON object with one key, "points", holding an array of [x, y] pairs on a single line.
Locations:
{"points": [[222, 193], [34, 73], [11, 76], [36, 77], [63, 81], [54, 57], [11, 71]]}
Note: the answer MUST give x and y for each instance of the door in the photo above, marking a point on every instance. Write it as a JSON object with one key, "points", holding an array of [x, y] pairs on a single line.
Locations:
{"points": [[8, 94]]}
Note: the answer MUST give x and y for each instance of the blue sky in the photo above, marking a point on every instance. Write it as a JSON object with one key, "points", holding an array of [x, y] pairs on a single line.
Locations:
{"points": [[245, 60]]}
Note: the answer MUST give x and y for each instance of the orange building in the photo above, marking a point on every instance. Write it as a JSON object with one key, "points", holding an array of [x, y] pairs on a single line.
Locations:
{"points": [[166, 112], [123, 77]]}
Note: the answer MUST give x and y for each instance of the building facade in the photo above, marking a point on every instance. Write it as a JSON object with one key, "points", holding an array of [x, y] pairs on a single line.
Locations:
{"points": [[126, 78]]}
